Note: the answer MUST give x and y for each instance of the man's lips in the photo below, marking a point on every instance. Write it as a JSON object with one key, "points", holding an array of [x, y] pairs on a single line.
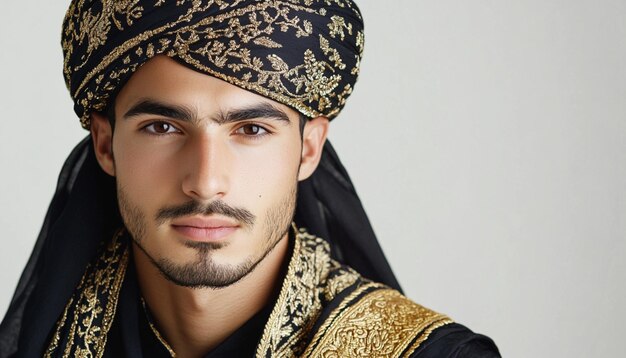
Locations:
{"points": [[204, 229]]}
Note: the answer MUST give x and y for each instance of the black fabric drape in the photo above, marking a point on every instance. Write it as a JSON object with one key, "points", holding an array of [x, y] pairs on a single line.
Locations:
{"points": [[83, 214], [329, 207]]}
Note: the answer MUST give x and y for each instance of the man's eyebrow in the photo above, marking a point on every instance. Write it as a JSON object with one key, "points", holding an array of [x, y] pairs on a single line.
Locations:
{"points": [[261, 110], [149, 106]]}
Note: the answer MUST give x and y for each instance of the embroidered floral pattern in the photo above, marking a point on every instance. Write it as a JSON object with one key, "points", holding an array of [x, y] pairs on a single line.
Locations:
{"points": [[312, 280], [92, 307], [382, 323]]}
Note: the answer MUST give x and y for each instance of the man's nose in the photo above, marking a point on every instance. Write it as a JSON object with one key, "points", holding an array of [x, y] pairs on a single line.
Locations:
{"points": [[206, 169]]}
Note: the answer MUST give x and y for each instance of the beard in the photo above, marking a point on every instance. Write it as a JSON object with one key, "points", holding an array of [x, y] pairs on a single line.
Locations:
{"points": [[204, 272]]}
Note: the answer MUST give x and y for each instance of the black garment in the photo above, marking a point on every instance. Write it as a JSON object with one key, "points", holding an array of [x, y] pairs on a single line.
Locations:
{"points": [[456, 341], [242, 343], [132, 336]]}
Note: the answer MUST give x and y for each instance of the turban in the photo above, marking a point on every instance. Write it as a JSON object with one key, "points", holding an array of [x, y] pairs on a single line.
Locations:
{"points": [[302, 53]]}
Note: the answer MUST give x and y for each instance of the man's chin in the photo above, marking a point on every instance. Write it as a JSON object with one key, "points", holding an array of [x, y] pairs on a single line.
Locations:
{"points": [[204, 274]]}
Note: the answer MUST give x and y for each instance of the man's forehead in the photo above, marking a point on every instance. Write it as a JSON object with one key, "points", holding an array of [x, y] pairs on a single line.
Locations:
{"points": [[165, 86]]}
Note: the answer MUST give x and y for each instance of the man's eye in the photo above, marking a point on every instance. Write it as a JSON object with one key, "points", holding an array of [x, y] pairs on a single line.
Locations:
{"points": [[251, 130], [160, 128]]}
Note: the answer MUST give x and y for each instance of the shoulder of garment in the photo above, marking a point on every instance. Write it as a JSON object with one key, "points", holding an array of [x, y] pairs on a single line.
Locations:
{"points": [[379, 321], [456, 341]]}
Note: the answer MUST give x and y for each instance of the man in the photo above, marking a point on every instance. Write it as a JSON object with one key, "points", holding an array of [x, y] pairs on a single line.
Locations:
{"points": [[193, 221]]}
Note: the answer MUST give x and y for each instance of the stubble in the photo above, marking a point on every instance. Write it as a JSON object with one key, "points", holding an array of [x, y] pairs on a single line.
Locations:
{"points": [[203, 271]]}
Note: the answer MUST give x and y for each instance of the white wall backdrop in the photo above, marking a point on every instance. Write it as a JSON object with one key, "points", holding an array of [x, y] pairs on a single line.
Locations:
{"points": [[487, 140]]}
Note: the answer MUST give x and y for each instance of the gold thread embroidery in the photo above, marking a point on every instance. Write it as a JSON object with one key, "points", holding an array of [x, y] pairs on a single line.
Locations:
{"points": [[300, 299], [94, 304], [333, 315], [54, 343], [424, 336], [383, 323], [337, 25]]}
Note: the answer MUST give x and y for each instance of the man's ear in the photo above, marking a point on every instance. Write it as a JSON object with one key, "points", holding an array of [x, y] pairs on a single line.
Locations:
{"points": [[101, 134], [313, 139]]}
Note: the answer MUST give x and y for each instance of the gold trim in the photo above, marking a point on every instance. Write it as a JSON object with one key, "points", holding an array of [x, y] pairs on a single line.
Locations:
{"points": [[333, 315], [93, 305], [278, 311], [383, 323], [312, 276], [424, 336], [56, 337]]}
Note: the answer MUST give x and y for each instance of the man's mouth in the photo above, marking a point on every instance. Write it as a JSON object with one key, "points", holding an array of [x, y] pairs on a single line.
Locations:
{"points": [[203, 228]]}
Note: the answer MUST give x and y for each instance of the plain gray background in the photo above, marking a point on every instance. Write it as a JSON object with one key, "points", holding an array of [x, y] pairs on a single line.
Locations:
{"points": [[487, 140]]}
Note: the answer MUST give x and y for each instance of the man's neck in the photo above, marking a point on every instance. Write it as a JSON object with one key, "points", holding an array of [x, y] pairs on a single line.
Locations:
{"points": [[194, 321]]}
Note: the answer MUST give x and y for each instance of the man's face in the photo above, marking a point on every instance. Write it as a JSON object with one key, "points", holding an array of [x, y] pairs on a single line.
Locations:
{"points": [[206, 172]]}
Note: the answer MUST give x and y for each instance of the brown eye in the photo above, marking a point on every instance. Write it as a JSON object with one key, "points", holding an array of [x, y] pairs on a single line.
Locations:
{"points": [[160, 128], [251, 130]]}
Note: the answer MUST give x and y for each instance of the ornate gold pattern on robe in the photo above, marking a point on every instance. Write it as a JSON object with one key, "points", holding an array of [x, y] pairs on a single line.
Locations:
{"points": [[382, 323]]}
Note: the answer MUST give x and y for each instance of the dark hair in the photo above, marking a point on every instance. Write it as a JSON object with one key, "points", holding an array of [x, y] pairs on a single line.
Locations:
{"points": [[303, 120], [110, 114]]}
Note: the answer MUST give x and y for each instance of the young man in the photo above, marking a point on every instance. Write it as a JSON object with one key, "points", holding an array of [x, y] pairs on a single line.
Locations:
{"points": [[193, 221]]}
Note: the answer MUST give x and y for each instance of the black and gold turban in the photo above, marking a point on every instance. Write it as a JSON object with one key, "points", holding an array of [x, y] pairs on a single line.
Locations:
{"points": [[302, 53]]}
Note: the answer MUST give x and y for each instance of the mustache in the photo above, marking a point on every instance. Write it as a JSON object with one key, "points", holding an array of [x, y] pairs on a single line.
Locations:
{"points": [[195, 208]]}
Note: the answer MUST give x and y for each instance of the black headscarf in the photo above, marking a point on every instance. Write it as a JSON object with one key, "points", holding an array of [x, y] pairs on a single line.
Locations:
{"points": [[303, 53]]}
